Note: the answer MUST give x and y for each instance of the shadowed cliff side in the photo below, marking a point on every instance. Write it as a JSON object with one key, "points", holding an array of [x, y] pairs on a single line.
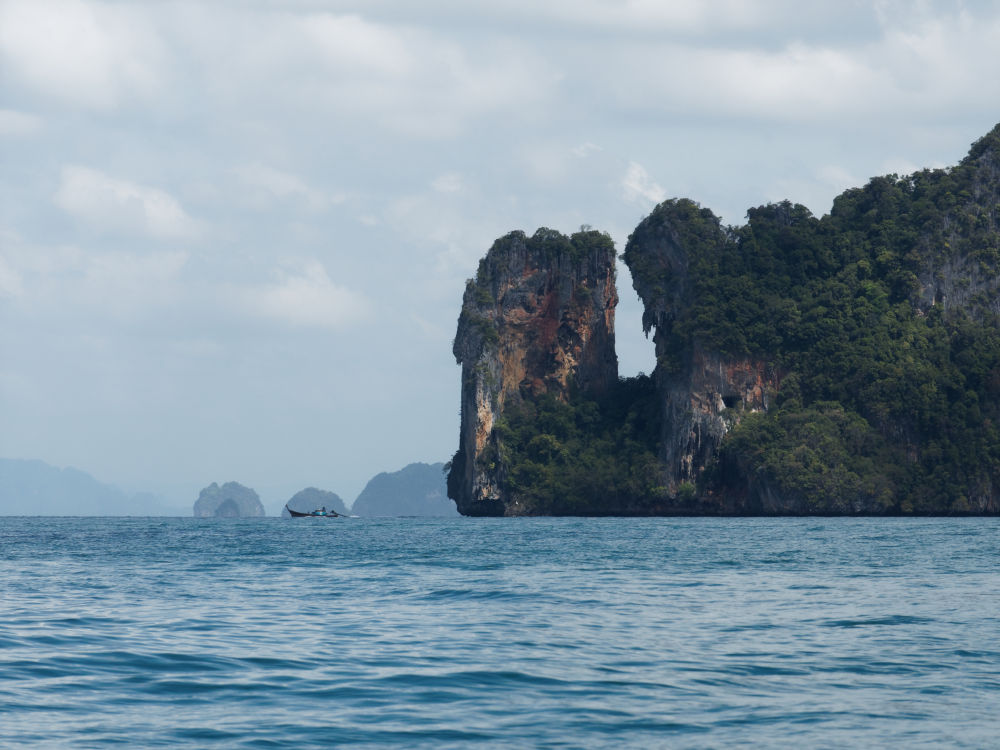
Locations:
{"points": [[537, 321]]}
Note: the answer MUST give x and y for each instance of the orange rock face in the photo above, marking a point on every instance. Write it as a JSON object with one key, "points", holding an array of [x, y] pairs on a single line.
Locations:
{"points": [[538, 318]]}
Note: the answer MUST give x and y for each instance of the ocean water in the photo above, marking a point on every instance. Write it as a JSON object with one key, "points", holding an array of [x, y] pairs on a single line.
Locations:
{"points": [[561, 633]]}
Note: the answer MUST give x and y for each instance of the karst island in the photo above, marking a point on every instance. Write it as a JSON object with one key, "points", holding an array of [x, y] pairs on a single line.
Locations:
{"points": [[847, 364]]}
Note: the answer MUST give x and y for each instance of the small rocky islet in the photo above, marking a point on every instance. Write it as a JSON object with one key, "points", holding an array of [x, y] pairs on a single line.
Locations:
{"points": [[417, 489]]}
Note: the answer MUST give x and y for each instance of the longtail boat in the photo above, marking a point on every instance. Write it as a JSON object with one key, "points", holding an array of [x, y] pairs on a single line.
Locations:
{"points": [[318, 513]]}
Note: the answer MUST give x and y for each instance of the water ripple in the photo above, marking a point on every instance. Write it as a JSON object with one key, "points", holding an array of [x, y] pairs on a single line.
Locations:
{"points": [[499, 633]]}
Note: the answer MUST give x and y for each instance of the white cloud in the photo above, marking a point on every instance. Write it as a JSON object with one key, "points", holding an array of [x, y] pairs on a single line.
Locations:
{"points": [[638, 186], [116, 205], [89, 54], [705, 17], [585, 149], [404, 79], [77, 287], [349, 43], [450, 182], [837, 177], [911, 66], [676, 16], [13, 123], [278, 184], [306, 297]]}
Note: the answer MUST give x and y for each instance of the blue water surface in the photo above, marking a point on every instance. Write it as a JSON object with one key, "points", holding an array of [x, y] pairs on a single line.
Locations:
{"points": [[576, 633]]}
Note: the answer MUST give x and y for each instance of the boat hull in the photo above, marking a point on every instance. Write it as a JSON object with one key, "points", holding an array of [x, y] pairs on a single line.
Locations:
{"points": [[312, 514]]}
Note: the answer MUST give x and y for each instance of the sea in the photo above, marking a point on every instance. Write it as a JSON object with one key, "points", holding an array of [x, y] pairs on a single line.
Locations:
{"points": [[500, 633]]}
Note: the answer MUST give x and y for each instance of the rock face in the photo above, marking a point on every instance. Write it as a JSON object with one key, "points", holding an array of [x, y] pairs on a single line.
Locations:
{"points": [[311, 498], [415, 490], [537, 319], [231, 500], [960, 281], [703, 393]]}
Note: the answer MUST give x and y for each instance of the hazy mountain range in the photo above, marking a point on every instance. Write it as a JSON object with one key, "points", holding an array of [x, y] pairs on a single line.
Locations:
{"points": [[35, 488]]}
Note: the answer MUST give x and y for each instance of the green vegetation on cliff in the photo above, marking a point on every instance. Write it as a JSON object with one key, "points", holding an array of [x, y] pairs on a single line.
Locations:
{"points": [[589, 456], [882, 317], [842, 364]]}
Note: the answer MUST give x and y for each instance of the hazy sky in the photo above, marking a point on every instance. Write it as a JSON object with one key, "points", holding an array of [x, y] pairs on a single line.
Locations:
{"points": [[234, 235]]}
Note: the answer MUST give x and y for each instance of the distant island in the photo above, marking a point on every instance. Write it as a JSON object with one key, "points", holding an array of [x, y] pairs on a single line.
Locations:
{"points": [[35, 488], [416, 490], [848, 364], [231, 500]]}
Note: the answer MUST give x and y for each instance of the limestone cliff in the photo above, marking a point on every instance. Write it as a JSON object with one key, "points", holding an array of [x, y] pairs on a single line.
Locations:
{"points": [[703, 392], [960, 272], [843, 364], [231, 500], [537, 319]]}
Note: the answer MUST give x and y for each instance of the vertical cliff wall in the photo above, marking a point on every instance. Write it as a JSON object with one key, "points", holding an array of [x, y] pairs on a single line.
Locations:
{"points": [[537, 319], [703, 392]]}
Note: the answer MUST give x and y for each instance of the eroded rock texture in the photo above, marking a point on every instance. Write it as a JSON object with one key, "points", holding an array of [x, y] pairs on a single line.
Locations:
{"points": [[538, 318]]}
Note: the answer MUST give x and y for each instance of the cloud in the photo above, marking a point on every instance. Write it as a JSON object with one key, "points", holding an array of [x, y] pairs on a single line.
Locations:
{"points": [[88, 54], [70, 286], [638, 187], [585, 149], [450, 182], [349, 43], [649, 17], [120, 206], [402, 79], [917, 63], [13, 123], [306, 298], [278, 184], [837, 177]]}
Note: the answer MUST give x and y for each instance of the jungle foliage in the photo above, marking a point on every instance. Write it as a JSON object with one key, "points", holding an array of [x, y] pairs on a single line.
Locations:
{"points": [[588, 456], [886, 395]]}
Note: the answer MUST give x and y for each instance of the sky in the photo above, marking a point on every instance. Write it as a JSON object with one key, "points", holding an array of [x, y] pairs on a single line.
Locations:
{"points": [[234, 236]]}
